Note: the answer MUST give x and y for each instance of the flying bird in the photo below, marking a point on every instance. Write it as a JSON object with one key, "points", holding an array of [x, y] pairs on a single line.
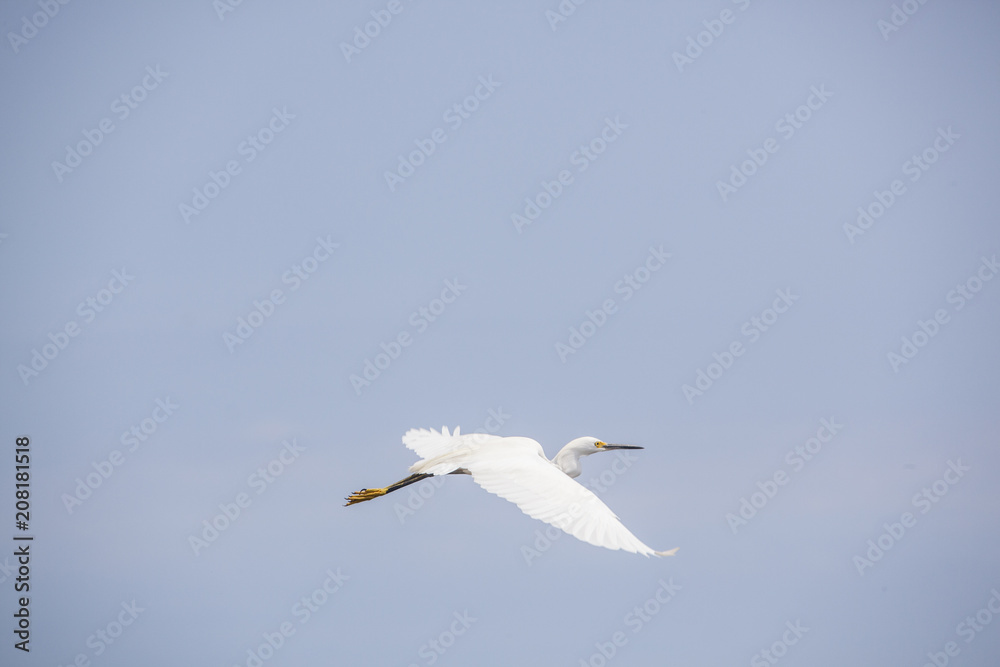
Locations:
{"points": [[517, 470]]}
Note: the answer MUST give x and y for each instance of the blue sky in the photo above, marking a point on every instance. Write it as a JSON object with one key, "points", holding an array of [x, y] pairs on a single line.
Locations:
{"points": [[244, 251]]}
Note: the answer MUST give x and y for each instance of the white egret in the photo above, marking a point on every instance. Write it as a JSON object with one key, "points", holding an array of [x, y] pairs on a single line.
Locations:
{"points": [[517, 469]]}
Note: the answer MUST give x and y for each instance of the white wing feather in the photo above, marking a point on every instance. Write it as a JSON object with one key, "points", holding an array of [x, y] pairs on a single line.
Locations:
{"points": [[429, 443], [445, 452], [517, 470]]}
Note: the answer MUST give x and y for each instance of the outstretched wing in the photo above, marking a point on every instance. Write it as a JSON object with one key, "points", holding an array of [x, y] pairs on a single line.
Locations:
{"points": [[517, 473], [445, 452], [428, 443]]}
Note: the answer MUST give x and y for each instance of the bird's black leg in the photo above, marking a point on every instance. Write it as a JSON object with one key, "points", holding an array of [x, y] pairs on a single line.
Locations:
{"points": [[368, 494]]}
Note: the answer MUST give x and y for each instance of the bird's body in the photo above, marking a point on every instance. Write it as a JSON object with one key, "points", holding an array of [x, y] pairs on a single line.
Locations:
{"points": [[516, 468]]}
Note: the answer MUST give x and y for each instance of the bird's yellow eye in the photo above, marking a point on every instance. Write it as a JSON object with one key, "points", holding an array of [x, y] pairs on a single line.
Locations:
{"points": [[600, 444]]}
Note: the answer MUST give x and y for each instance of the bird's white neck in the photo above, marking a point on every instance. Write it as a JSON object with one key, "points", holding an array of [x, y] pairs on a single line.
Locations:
{"points": [[568, 460]]}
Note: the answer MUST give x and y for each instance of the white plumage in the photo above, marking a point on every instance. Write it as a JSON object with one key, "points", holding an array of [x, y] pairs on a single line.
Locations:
{"points": [[517, 470]]}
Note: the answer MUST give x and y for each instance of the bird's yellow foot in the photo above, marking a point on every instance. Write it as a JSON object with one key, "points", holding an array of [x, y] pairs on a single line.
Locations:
{"points": [[365, 494]]}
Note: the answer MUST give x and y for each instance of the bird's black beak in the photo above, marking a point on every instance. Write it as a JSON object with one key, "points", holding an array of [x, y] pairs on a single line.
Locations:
{"points": [[606, 446]]}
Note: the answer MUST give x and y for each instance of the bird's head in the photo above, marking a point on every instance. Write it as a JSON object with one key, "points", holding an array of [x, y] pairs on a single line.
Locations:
{"points": [[568, 458]]}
